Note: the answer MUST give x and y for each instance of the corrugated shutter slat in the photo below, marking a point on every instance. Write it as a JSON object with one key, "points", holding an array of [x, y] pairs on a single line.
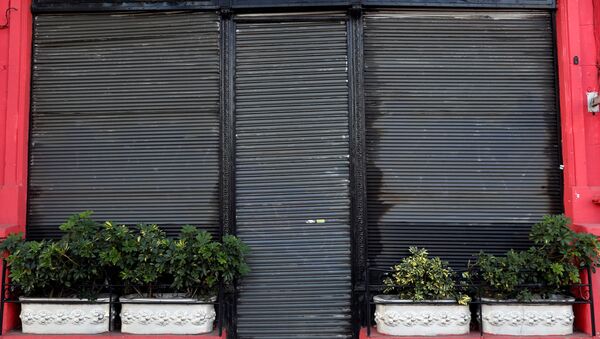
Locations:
{"points": [[291, 170], [463, 151], [125, 119]]}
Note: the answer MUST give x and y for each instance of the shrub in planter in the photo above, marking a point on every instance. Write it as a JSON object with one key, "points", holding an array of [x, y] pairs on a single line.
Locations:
{"points": [[544, 272], [422, 299], [48, 272], [193, 266]]}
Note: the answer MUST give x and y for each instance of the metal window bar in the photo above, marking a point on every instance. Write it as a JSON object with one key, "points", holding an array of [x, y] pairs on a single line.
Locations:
{"points": [[585, 290], [222, 303]]}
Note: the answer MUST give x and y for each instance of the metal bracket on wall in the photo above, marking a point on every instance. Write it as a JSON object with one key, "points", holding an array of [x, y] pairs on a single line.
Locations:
{"points": [[593, 102]]}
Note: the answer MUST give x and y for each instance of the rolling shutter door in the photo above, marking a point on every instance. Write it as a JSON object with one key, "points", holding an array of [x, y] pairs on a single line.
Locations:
{"points": [[462, 144], [292, 191], [125, 119]]}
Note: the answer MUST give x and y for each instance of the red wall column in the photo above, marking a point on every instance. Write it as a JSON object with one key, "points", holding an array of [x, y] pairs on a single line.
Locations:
{"points": [[578, 38], [15, 69]]}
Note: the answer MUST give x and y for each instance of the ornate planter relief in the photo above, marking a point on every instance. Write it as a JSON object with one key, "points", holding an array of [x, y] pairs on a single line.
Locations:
{"points": [[40, 317], [528, 319], [405, 317], [157, 316]]}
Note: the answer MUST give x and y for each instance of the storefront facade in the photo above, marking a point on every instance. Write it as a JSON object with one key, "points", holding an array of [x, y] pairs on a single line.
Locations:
{"points": [[329, 136]]}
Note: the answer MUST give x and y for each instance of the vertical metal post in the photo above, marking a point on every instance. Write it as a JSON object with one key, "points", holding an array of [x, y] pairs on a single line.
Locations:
{"points": [[480, 307], [592, 311], [227, 65], [559, 140], [357, 152], [227, 61], [221, 310], [367, 302], [110, 309], [3, 297]]}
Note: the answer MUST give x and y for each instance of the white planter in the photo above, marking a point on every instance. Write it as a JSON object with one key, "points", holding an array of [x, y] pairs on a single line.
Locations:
{"points": [[405, 317], [528, 319], [160, 316], [40, 317]]}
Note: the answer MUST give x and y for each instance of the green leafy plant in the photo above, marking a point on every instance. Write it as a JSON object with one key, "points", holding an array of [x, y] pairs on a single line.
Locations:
{"points": [[565, 252], [90, 255], [141, 255], [232, 265], [503, 276], [192, 264], [419, 277], [59, 268], [197, 263], [547, 268]]}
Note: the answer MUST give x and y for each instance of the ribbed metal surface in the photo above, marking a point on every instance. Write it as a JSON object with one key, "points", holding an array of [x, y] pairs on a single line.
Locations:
{"points": [[465, 3], [291, 171], [125, 119], [463, 151]]}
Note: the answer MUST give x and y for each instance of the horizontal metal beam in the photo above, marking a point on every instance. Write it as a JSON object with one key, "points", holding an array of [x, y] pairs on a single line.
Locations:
{"points": [[53, 6]]}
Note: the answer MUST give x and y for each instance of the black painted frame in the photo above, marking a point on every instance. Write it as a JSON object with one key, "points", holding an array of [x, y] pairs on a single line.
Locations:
{"points": [[227, 111], [357, 151], [42, 6], [358, 161]]}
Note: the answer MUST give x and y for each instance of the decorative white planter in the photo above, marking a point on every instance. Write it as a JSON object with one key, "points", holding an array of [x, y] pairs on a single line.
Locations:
{"points": [[528, 319], [158, 316], [40, 317], [405, 317]]}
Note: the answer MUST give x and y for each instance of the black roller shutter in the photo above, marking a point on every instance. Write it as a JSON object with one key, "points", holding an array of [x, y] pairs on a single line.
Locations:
{"points": [[292, 178], [465, 3], [125, 119], [463, 151]]}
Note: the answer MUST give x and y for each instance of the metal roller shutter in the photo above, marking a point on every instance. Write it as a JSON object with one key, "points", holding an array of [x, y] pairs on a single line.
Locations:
{"points": [[465, 3], [292, 191], [463, 151], [125, 119]]}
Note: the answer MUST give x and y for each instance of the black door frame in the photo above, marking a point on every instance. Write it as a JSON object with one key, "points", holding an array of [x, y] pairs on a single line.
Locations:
{"points": [[356, 131]]}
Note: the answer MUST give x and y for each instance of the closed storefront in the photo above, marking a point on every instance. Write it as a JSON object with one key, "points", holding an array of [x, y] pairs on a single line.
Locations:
{"points": [[329, 137]]}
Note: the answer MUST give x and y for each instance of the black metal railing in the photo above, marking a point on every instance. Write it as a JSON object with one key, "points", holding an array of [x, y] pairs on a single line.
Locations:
{"points": [[583, 295], [222, 304]]}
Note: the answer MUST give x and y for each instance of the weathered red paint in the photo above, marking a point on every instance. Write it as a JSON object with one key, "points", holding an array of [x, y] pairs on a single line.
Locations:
{"points": [[578, 34], [15, 69]]}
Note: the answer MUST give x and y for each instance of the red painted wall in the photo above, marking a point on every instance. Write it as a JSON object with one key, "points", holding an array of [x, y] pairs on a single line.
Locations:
{"points": [[15, 63], [578, 34], [577, 24]]}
